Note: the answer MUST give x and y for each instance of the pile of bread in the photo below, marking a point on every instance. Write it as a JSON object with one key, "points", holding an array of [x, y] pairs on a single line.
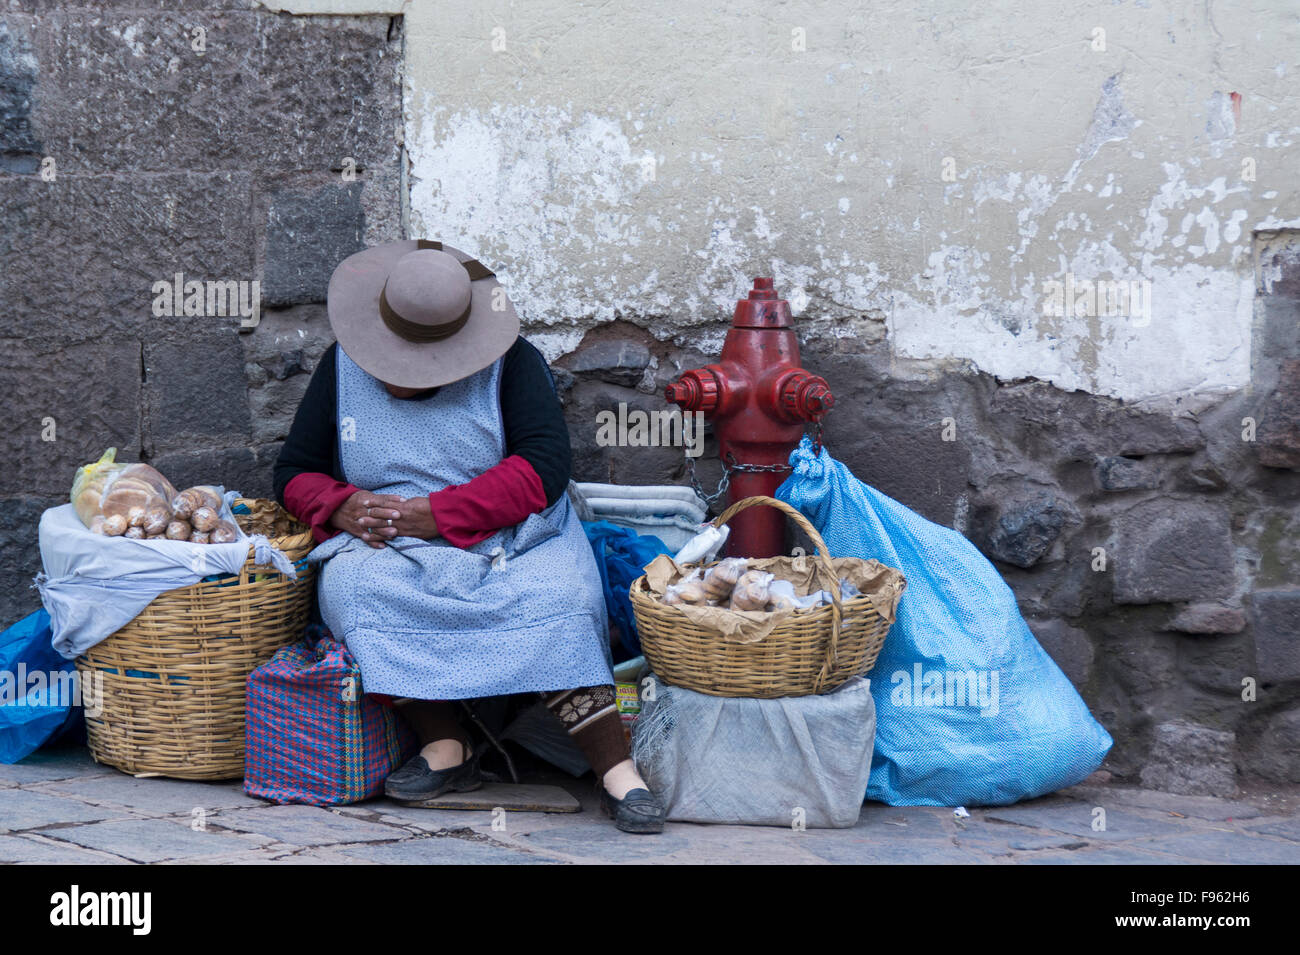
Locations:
{"points": [[731, 584], [135, 500]]}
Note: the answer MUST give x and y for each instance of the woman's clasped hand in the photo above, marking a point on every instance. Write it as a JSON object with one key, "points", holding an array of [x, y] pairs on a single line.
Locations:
{"points": [[378, 518]]}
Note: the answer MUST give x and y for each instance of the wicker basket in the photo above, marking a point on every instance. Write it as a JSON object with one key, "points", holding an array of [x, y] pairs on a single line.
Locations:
{"points": [[809, 652], [174, 677]]}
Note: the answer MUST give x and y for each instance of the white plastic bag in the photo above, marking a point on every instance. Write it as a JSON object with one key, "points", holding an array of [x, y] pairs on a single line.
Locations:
{"points": [[93, 585]]}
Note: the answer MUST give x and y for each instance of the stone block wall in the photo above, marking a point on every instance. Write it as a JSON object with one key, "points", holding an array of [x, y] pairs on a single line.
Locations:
{"points": [[142, 139]]}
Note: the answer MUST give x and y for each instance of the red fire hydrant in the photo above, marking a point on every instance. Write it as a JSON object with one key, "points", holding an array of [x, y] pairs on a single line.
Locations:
{"points": [[759, 400]]}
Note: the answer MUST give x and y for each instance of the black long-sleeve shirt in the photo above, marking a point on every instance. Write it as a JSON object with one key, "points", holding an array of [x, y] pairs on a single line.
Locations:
{"points": [[533, 421]]}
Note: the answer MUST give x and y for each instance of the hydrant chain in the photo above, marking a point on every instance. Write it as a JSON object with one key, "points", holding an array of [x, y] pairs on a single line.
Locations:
{"points": [[759, 399]]}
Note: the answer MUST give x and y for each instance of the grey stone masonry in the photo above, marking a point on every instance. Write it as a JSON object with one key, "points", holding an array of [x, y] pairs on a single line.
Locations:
{"points": [[212, 141]]}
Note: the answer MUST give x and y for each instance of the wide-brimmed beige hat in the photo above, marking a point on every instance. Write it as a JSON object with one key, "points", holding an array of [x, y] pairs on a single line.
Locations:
{"points": [[419, 314]]}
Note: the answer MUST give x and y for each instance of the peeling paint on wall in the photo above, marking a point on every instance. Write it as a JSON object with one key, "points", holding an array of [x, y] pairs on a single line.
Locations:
{"points": [[646, 165]]}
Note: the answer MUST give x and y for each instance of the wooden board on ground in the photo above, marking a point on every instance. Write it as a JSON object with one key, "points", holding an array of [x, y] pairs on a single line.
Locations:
{"points": [[515, 797]]}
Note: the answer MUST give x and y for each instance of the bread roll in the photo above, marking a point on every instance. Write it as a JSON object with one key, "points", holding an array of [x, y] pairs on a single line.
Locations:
{"points": [[184, 503], [156, 520], [721, 577], [224, 533], [200, 537], [204, 519], [115, 525], [751, 592], [179, 530]]}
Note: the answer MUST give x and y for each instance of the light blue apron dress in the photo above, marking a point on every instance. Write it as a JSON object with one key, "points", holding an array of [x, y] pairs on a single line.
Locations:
{"points": [[520, 611]]}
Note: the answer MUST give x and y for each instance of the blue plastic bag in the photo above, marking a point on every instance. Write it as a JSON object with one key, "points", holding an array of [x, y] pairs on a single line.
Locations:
{"points": [[621, 554], [970, 710], [30, 714]]}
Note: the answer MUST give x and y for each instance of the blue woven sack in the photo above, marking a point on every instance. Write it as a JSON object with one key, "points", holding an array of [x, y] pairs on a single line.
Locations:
{"points": [[312, 736], [970, 710]]}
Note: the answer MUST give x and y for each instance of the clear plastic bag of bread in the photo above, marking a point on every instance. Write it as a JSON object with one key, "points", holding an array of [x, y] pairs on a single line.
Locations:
{"points": [[112, 497], [688, 590], [751, 591], [720, 579]]}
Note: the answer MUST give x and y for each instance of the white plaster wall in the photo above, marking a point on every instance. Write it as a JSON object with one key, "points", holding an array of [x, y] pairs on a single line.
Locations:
{"points": [[646, 160]]}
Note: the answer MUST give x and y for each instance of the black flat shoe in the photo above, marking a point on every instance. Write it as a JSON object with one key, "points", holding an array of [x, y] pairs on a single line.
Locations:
{"points": [[416, 783], [639, 811]]}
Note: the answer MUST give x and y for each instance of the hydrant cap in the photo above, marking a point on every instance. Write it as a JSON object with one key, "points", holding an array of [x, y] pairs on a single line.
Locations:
{"points": [[763, 309]]}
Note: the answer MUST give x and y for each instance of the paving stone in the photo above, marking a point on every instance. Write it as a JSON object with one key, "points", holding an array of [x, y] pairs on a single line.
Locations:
{"points": [[23, 850], [1282, 828], [888, 822], [1076, 819], [601, 840], [1107, 855], [26, 809], [278, 856], [513, 797], [157, 795], [1227, 847], [154, 840], [306, 825], [710, 844], [432, 820], [1198, 807], [60, 762], [444, 850], [995, 839], [844, 850], [1046, 842]]}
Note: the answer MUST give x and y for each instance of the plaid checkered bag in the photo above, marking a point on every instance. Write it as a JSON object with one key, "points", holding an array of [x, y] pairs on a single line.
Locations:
{"points": [[312, 736]]}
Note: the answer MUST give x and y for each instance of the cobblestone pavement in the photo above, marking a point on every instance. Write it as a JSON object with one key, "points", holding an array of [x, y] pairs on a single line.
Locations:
{"points": [[60, 807]]}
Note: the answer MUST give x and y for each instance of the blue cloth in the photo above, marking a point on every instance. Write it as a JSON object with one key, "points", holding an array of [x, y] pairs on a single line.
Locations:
{"points": [[621, 556], [30, 714], [958, 635], [520, 611]]}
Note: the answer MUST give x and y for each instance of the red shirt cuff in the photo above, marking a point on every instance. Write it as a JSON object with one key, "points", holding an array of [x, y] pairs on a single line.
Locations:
{"points": [[313, 498], [502, 496]]}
